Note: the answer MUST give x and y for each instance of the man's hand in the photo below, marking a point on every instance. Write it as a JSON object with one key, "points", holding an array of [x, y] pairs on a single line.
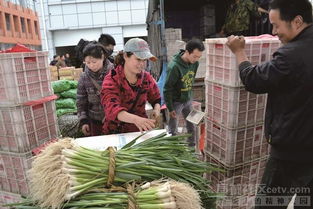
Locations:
{"points": [[236, 43], [86, 130], [173, 114]]}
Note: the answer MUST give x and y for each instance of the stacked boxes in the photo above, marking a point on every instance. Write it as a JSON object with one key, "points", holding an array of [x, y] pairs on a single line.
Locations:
{"points": [[76, 73], [67, 73], [173, 39], [173, 34], [233, 147], [27, 117], [25, 127], [207, 20], [54, 73], [241, 179], [238, 183], [235, 138], [23, 77], [7, 198], [233, 107], [13, 172], [222, 65]]}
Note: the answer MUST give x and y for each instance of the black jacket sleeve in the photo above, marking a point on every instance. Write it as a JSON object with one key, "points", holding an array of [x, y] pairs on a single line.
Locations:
{"points": [[266, 77]]}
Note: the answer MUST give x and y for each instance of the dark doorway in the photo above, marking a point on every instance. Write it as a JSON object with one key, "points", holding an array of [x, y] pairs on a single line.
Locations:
{"points": [[68, 49]]}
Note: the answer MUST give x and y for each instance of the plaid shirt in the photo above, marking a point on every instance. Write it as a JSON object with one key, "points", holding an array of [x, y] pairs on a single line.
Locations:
{"points": [[117, 95]]}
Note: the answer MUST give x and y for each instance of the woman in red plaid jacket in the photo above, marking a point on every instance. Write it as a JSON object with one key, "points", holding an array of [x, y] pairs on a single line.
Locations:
{"points": [[127, 88]]}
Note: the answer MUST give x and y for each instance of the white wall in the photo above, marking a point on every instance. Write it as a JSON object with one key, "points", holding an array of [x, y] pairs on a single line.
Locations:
{"points": [[77, 14], [71, 37], [134, 30], [67, 21]]}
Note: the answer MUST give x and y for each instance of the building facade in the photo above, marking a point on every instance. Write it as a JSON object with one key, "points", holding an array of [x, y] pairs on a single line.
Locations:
{"points": [[64, 22], [19, 24]]}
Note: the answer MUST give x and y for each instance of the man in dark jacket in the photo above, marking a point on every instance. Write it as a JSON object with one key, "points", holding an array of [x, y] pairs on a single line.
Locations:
{"points": [[288, 80]]}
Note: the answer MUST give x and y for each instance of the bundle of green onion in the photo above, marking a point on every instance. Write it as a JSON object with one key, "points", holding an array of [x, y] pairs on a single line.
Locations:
{"points": [[64, 171], [164, 194]]}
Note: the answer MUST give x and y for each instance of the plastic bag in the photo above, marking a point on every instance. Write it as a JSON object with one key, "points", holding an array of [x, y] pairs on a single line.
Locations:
{"points": [[64, 111], [61, 85], [72, 93], [74, 84], [65, 103]]}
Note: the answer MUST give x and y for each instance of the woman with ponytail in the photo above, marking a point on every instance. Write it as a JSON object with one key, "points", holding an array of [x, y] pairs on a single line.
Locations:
{"points": [[89, 108]]}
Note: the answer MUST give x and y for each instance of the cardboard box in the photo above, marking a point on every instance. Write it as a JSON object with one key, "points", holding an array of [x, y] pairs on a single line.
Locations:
{"points": [[69, 77], [53, 68], [68, 71], [77, 72]]}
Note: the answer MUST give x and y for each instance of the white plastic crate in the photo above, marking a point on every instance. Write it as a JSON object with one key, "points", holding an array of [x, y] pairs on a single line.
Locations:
{"points": [[8, 198], [23, 128], [236, 180], [233, 107], [23, 77], [233, 147], [13, 168], [222, 66], [14, 185], [14, 165]]}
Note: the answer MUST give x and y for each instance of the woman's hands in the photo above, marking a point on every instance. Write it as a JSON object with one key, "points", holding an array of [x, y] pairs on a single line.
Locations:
{"points": [[144, 124], [86, 129]]}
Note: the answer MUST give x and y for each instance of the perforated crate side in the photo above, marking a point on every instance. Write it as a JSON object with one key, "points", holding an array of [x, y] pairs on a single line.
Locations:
{"points": [[15, 165], [236, 180], [23, 77], [8, 198], [23, 128], [14, 186], [13, 172], [233, 107], [235, 146], [221, 62]]}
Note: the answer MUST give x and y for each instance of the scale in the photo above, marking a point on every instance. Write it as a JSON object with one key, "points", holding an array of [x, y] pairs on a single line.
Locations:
{"points": [[195, 117]]}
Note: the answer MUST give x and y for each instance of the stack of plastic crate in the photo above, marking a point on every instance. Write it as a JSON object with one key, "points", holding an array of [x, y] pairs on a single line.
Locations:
{"points": [[234, 122], [27, 117]]}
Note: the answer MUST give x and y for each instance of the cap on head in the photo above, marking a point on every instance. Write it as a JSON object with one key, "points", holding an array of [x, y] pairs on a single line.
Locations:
{"points": [[140, 48]]}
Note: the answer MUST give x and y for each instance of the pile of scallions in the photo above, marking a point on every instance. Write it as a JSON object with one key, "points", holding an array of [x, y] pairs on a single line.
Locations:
{"points": [[65, 171], [160, 194]]}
